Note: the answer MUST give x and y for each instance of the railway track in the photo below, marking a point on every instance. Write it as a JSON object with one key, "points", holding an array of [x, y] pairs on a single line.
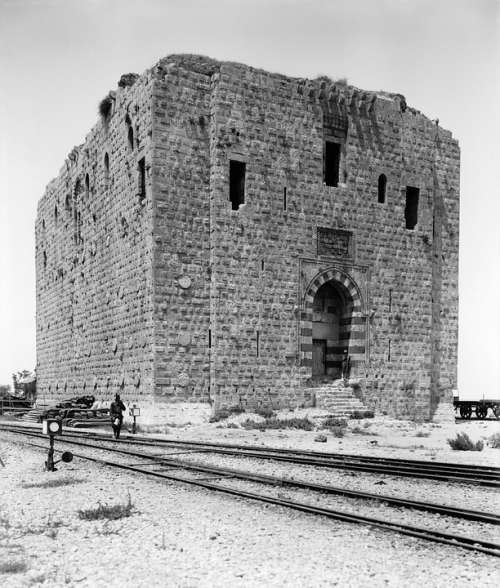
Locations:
{"points": [[160, 463], [439, 471]]}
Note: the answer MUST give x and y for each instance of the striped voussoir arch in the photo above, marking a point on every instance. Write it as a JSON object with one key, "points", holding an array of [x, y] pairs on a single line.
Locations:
{"points": [[352, 322]]}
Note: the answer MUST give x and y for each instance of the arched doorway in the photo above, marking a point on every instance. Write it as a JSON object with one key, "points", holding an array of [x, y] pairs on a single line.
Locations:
{"points": [[333, 325], [330, 339]]}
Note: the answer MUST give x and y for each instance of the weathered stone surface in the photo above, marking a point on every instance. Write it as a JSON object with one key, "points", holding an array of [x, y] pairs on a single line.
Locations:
{"points": [[149, 283]]}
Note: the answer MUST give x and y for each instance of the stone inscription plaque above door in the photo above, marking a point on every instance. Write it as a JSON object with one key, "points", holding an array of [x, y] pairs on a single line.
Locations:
{"points": [[335, 243]]}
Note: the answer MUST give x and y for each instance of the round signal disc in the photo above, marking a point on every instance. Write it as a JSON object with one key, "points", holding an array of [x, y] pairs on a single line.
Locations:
{"points": [[53, 427]]}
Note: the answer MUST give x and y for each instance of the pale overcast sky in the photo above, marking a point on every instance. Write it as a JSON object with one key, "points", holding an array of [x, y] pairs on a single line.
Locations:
{"points": [[58, 58]]}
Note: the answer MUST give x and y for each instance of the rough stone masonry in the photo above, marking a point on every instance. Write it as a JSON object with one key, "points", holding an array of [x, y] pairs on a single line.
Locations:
{"points": [[229, 236]]}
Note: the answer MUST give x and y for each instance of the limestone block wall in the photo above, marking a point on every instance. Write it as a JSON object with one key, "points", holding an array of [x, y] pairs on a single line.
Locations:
{"points": [[181, 234], [276, 126], [93, 250]]}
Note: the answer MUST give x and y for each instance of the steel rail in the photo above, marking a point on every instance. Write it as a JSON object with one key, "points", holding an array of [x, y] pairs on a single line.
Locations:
{"points": [[359, 458], [312, 453], [358, 463], [473, 515], [464, 542]]}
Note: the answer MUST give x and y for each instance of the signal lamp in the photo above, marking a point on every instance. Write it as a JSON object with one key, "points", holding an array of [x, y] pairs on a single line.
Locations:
{"points": [[52, 427]]}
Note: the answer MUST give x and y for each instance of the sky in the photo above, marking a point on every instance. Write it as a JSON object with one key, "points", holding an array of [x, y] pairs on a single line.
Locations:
{"points": [[58, 58]]}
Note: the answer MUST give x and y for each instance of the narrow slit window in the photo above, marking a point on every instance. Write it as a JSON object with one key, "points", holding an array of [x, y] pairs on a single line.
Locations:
{"points": [[106, 169], [284, 198], [411, 208], [77, 194], [257, 343], [382, 185], [209, 338], [237, 170], [331, 163], [142, 179], [131, 138]]}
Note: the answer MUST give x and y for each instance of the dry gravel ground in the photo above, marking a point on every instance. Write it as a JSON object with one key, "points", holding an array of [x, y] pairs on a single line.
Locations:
{"points": [[183, 536]]}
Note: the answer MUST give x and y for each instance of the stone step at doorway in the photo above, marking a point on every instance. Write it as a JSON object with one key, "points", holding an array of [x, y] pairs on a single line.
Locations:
{"points": [[338, 398]]}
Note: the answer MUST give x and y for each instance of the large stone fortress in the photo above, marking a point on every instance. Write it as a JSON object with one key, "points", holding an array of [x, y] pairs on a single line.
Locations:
{"points": [[226, 235]]}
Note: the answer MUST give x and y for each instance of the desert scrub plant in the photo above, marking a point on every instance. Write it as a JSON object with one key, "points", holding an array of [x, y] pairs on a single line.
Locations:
{"points": [[273, 423], [224, 413], [107, 512], [422, 434], [265, 412], [331, 422], [494, 441], [359, 431], [338, 431], [105, 106], [362, 414], [54, 483], [463, 442], [13, 567]]}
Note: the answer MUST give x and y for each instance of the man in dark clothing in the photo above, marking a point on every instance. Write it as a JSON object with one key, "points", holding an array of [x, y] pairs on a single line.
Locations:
{"points": [[116, 413]]}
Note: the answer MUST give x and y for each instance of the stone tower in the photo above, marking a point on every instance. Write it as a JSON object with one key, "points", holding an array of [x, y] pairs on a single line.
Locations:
{"points": [[226, 235]]}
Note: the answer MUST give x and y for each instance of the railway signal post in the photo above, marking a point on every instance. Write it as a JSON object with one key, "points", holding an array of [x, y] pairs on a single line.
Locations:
{"points": [[53, 427], [134, 411]]}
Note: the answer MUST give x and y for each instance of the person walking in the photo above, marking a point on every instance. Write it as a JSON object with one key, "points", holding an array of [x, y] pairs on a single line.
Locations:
{"points": [[116, 411]]}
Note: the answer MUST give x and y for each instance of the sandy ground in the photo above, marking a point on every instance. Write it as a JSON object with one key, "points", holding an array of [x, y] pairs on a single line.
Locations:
{"points": [[181, 536]]}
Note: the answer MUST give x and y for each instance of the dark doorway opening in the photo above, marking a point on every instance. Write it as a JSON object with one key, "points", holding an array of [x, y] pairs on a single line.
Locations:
{"points": [[331, 324]]}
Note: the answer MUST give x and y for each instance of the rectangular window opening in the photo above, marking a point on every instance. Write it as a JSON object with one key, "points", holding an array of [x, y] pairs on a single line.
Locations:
{"points": [[142, 179], [209, 338], [389, 352], [411, 208], [390, 300], [331, 166], [284, 198], [237, 171], [257, 343]]}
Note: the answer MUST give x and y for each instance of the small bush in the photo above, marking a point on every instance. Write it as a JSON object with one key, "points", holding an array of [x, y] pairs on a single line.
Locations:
{"points": [[494, 441], [224, 413], [338, 431], [13, 567], [362, 414], [54, 483], [332, 421], [360, 431], [107, 512], [267, 413], [294, 423], [422, 434], [463, 442], [105, 106]]}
